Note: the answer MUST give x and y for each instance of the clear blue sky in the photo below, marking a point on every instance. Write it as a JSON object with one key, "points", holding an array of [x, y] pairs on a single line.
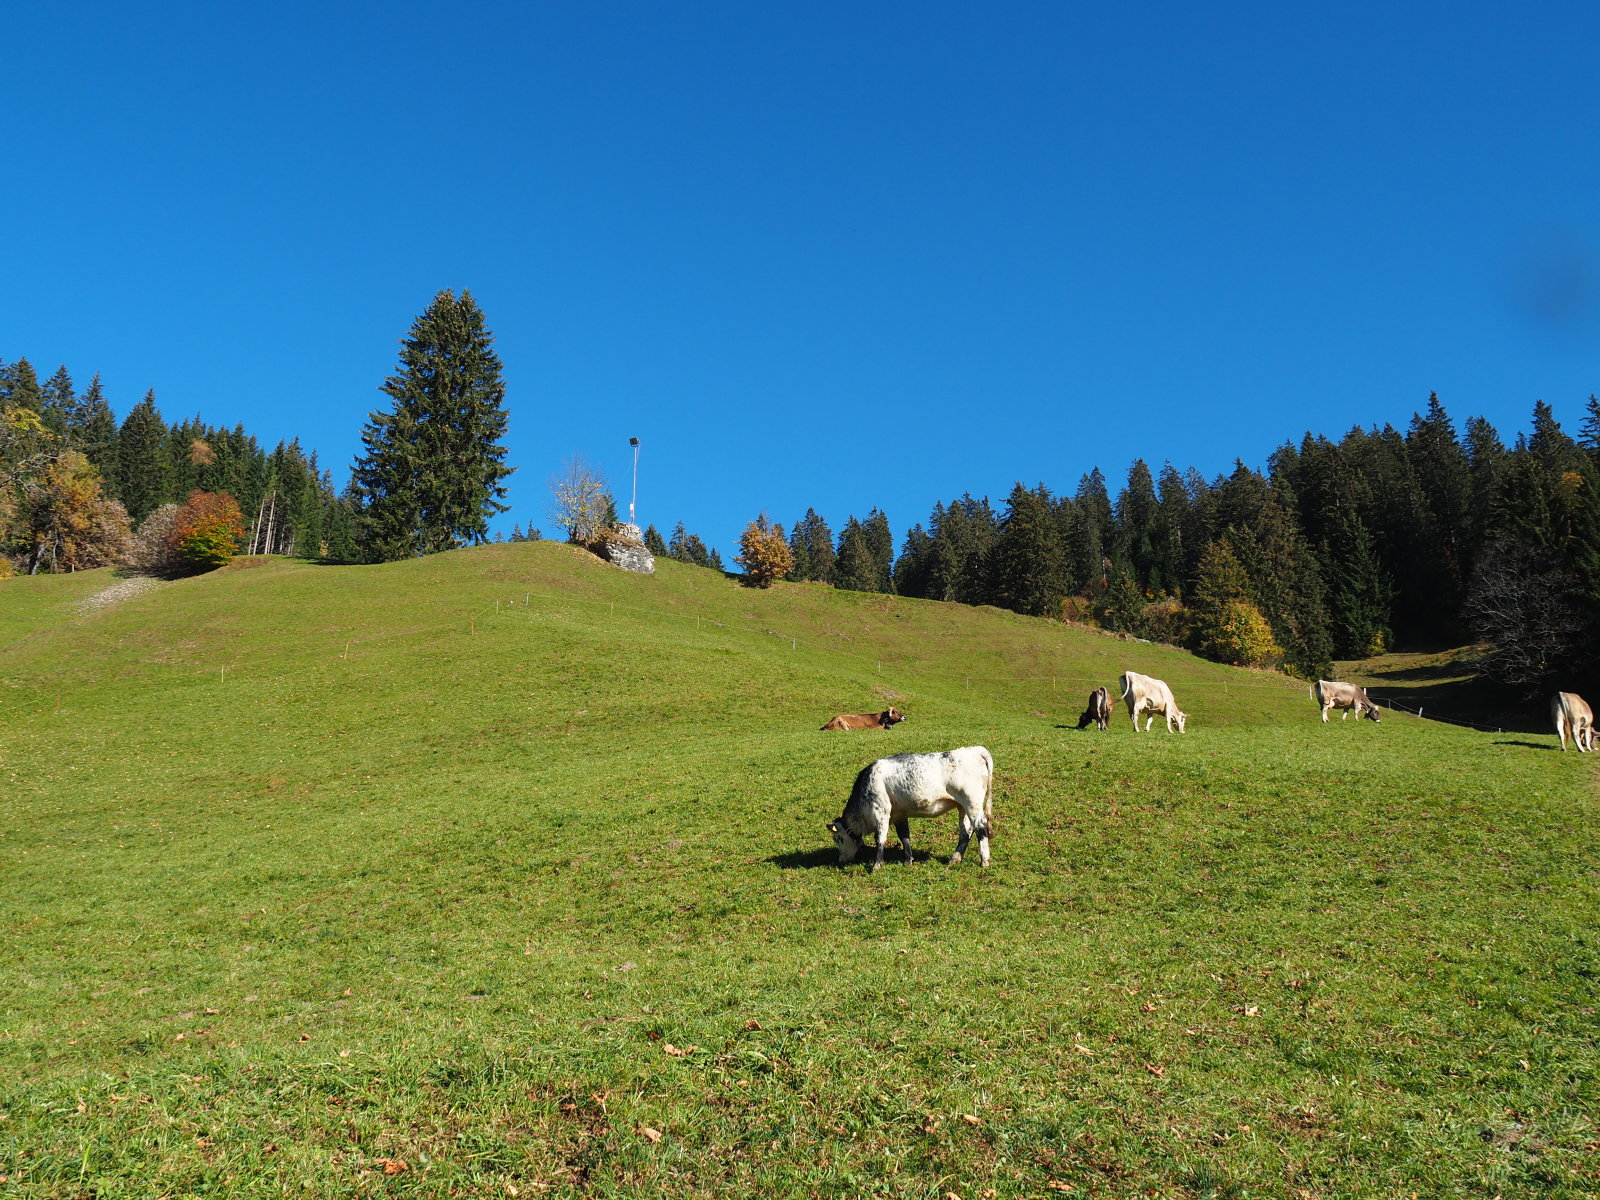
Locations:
{"points": [[838, 255]]}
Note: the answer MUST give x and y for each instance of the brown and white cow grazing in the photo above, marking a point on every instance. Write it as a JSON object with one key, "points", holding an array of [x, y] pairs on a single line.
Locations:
{"points": [[1345, 697], [1099, 710], [1142, 694], [1574, 718], [887, 719], [892, 790]]}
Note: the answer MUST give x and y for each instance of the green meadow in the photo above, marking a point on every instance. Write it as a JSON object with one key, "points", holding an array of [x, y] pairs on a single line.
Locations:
{"points": [[504, 873]]}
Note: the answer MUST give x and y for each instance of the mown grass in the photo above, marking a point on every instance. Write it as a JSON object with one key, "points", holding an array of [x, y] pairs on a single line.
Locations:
{"points": [[404, 879]]}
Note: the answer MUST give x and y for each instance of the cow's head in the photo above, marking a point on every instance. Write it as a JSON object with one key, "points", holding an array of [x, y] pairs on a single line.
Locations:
{"points": [[847, 842], [1180, 717], [892, 718], [1369, 709]]}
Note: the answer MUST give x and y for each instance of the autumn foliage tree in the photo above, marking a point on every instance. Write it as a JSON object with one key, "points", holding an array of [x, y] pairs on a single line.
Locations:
{"points": [[207, 530], [65, 521], [764, 553]]}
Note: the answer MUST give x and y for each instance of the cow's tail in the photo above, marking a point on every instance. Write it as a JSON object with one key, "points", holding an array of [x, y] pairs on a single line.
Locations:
{"points": [[1126, 685], [988, 794]]}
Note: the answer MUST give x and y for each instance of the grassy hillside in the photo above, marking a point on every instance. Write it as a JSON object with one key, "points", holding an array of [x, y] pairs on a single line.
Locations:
{"points": [[504, 872]]}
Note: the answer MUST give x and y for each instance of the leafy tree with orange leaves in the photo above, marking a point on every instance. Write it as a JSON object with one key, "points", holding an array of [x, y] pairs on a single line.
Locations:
{"points": [[207, 529], [764, 553]]}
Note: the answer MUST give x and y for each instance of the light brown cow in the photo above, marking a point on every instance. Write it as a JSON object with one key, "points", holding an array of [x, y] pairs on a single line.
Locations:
{"points": [[887, 719], [1574, 718], [1346, 697]]}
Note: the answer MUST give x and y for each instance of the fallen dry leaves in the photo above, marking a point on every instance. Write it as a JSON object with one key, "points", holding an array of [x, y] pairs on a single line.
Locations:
{"points": [[650, 1135], [679, 1051]]}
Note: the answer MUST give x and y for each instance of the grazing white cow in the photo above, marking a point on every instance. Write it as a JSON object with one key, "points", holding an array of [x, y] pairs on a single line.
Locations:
{"points": [[1142, 694], [894, 789], [1345, 697], [1574, 718]]}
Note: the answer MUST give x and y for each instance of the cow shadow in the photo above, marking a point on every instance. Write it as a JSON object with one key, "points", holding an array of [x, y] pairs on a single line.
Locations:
{"points": [[805, 860], [1529, 745]]}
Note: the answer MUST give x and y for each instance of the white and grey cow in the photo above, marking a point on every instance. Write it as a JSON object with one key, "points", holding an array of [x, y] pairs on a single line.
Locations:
{"points": [[1575, 719], [894, 789], [1346, 697], [1143, 694]]}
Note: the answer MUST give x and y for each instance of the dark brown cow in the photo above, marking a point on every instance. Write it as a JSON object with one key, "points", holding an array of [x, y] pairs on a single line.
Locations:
{"points": [[1099, 710], [887, 719]]}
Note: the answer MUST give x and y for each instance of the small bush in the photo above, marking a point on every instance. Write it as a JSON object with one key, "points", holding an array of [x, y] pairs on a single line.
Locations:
{"points": [[151, 546], [207, 530]]}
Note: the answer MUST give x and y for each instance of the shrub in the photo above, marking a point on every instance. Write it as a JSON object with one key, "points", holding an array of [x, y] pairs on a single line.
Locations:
{"points": [[207, 530], [151, 547]]}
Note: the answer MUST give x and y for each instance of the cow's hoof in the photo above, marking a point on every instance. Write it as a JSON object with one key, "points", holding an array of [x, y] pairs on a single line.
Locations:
{"points": [[955, 860]]}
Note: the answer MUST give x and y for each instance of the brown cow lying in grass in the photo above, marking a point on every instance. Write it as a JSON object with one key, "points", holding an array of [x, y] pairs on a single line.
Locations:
{"points": [[887, 719]]}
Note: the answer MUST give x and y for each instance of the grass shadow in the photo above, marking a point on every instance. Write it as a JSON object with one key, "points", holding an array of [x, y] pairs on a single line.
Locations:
{"points": [[805, 860]]}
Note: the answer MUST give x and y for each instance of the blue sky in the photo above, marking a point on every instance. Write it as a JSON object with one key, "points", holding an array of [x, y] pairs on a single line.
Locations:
{"points": [[820, 254]]}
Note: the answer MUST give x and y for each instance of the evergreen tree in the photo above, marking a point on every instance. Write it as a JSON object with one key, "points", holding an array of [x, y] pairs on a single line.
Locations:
{"points": [[1589, 432], [714, 561], [1285, 577], [812, 546], [1444, 475], [880, 544], [430, 475], [92, 428], [855, 568], [1093, 535], [1226, 624], [1027, 568], [963, 534], [1178, 540], [1121, 606], [56, 403], [19, 387], [143, 467], [1359, 592], [799, 560], [912, 569], [339, 522], [654, 543], [686, 547], [1140, 535]]}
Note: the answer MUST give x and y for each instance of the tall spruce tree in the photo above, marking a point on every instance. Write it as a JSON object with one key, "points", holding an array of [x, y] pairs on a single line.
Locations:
{"points": [[92, 428], [912, 567], [811, 544], [880, 544], [430, 476], [143, 467], [56, 402], [1028, 565], [856, 567], [1140, 535]]}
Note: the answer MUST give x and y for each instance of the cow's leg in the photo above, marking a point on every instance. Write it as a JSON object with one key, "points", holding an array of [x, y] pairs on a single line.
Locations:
{"points": [[902, 829], [1325, 709], [883, 838], [963, 834], [1561, 732], [1149, 719], [1343, 713]]}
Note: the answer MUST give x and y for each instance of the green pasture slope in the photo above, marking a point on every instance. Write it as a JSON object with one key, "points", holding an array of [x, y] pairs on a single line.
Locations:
{"points": [[503, 873]]}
